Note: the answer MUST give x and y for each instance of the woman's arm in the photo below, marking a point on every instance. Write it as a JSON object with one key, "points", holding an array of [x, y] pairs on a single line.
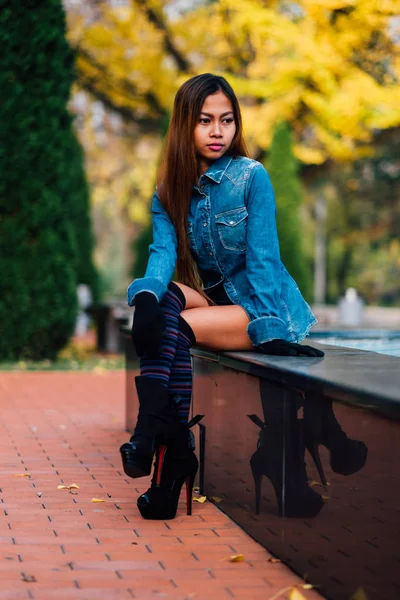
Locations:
{"points": [[162, 258], [263, 265]]}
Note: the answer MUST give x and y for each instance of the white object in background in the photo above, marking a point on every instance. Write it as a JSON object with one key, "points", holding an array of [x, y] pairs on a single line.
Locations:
{"points": [[350, 308], [84, 300]]}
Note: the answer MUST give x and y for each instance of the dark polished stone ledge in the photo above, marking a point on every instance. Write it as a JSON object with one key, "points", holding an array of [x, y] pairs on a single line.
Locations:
{"points": [[357, 377], [269, 421], [304, 454]]}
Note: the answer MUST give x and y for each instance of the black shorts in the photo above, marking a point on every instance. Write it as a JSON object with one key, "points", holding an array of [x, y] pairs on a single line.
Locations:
{"points": [[219, 296]]}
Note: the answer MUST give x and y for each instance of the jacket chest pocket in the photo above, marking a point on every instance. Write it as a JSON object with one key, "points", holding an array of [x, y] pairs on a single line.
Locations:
{"points": [[232, 228]]}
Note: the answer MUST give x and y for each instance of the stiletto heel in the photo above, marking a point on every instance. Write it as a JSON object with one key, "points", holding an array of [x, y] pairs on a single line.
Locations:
{"points": [[160, 502], [314, 452], [257, 484], [272, 457], [189, 493], [175, 464], [202, 453]]}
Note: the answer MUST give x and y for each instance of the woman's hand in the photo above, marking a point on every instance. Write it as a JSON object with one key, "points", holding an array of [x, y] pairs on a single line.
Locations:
{"points": [[148, 325], [283, 348]]}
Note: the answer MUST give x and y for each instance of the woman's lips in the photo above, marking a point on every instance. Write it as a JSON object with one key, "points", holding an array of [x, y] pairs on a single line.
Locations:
{"points": [[215, 147]]}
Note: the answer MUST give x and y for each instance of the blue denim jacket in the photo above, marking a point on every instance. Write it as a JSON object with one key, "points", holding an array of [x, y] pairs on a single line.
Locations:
{"points": [[233, 237]]}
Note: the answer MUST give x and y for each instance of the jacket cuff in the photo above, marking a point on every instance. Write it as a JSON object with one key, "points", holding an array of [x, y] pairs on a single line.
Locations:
{"points": [[146, 284], [265, 329]]}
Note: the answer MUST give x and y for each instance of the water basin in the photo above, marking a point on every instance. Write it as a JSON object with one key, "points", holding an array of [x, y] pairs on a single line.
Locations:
{"points": [[381, 341]]}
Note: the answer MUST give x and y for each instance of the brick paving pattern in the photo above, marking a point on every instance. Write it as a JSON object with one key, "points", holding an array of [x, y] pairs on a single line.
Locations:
{"points": [[65, 428]]}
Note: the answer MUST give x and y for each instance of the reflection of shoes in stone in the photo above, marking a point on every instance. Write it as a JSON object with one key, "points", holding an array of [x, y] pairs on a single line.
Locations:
{"points": [[321, 427], [296, 499], [175, 464], [157, 423], [312, 447]]}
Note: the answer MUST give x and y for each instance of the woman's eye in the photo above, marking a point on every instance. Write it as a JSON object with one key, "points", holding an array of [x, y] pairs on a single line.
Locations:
{"points": [[204, 120], [228, 120]]}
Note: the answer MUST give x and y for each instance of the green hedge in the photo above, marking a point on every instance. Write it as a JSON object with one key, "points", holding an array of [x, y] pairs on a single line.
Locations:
{"points": [[38, 242]]}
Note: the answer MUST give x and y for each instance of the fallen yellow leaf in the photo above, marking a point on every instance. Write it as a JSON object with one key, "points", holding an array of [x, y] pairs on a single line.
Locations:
{"points": [[294, 594], [216, 499], [200, 499], [359, 594], [236, 558], [22, 474], [73, 486], [97, 500], [314, 483], [279, 593]]}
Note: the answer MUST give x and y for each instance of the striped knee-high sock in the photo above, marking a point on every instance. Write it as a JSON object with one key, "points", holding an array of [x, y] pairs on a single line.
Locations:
{"points": [[159, 368], [181, 378]]}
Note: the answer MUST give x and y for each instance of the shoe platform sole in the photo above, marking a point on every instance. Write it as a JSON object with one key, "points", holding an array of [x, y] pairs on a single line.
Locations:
{"points": [[149, 514]]}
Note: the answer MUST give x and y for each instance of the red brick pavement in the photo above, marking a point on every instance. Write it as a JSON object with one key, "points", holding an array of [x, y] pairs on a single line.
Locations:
{"points": [[64, 428]]}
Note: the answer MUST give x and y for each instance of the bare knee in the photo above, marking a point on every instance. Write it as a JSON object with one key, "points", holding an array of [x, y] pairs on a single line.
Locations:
{"points": [[193, 298]]}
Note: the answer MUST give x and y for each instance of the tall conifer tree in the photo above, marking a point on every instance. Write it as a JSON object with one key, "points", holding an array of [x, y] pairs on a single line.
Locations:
{"points": [[282, 167], [78, 194], [38, 243]]}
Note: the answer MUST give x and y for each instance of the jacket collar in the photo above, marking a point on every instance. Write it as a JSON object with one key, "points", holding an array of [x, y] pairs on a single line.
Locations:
{"points": [[217, 169]]}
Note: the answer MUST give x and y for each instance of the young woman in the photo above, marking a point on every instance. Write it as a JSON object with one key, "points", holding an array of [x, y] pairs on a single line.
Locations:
{"points": [[214, 221]]}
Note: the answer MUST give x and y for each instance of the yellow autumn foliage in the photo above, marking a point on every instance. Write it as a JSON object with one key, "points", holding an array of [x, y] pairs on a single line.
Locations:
{"points": [[331, 68]]}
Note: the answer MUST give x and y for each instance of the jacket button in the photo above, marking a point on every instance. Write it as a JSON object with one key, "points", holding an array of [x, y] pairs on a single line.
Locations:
{"points": [[230, 222], [211, 253], [204, 224]]}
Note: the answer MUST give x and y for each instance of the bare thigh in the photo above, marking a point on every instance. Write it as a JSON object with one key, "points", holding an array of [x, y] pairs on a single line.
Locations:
{"points": [[216, 327]]}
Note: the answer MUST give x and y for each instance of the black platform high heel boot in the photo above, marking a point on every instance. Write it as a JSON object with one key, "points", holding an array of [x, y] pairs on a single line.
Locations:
{"points": [[285, 468], [175, 464], [321, 427], [157, 423]]}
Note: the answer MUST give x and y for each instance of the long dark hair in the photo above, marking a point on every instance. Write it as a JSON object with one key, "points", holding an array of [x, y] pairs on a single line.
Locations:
{"points": [[179, 169]]}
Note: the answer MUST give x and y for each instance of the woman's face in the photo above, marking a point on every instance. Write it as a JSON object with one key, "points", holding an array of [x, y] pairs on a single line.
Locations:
{"points": [[215, 129]]}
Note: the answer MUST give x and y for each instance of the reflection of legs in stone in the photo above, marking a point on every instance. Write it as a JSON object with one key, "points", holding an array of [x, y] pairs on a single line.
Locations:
{"points": [[321, 427], [280, 455]]}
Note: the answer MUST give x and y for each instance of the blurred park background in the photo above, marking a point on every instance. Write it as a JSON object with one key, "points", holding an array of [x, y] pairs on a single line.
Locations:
{"points": [[86, 92]]}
